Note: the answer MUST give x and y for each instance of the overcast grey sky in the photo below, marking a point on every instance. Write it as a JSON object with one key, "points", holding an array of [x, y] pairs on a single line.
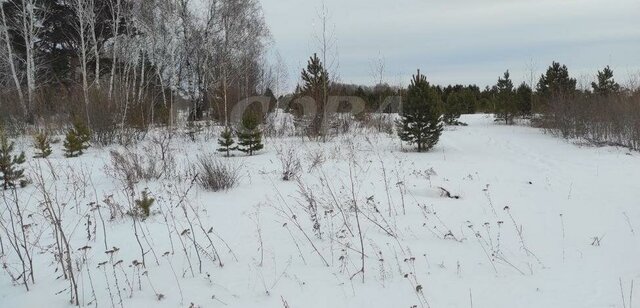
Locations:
{"points": [[462, 41]]}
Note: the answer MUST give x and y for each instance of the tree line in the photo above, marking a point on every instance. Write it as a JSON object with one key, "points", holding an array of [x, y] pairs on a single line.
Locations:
{"points": [[115, 63], [605, 113], [124, 64]]}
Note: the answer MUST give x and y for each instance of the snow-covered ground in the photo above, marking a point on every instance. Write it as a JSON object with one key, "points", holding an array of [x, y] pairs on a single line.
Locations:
{"points": [[539, 222]]}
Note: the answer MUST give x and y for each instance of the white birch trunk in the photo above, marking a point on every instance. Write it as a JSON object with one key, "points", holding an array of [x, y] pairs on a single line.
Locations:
{"points": [[12, 66]]}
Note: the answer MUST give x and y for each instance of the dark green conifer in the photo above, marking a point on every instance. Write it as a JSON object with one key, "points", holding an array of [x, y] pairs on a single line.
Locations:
{"points": [[506, 107], [42, 143], [77, 140], [9, 164], [606, 85], [143, 205], [226, 142], [556, 83], [524, 99], [250, 136], [420, 122]]}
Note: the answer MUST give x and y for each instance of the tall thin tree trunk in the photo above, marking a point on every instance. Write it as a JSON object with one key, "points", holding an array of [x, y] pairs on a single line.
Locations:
{"points": [[224, 92], [162, 86], [28, 28], [82, 18], [12, 66], [171, 83], [96, 52], [141, 85], [115, 21]]}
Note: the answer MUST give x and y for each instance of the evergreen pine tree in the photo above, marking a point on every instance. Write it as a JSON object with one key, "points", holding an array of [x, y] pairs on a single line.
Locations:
{"points": [[487, 98], [471, 95], [556, 83], [9, 163], [77, 140], [524, 97], [250, 136], [420, 122], [505, 100], [606, 84], [226, 142], [453, 108], [42, 143], [315, 80], [143, 205], [555, 92]]}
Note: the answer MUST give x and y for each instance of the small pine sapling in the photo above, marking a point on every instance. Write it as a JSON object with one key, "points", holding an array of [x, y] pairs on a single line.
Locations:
{"points": [[226, 142], [250, 137], [77, 140], [42, 143], [143, 205], [421, 122], [9, 164]]}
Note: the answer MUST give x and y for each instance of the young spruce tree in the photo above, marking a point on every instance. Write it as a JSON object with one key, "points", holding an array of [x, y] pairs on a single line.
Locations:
{"points": [[77, 140], [315, 84], [506, 105], [226, 142], [9, 164], [143, 205], [42, 143], [250, 136], [421, 122]]}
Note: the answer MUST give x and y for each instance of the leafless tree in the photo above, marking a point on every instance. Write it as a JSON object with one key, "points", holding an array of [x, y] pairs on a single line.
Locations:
{"points": [[10, 59], [83, 10], [31, 15], [242, 34], [531, 79], [281, 75], [115, 7], [91, 22], [378, 67], [327, 44]]}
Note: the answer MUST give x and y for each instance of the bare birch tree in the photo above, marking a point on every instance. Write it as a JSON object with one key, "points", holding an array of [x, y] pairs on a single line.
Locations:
{"points": [[327, 44], [91, 22], [82, 9], [116, 11], [281, 75], [31, 15], [11, 60]]}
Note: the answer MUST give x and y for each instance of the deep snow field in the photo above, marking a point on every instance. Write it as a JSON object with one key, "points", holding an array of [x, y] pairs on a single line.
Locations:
{"points": [[539, 222]]}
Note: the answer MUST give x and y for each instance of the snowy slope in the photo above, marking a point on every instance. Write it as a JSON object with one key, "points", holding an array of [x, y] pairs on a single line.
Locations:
{"points": [[522, 233]]}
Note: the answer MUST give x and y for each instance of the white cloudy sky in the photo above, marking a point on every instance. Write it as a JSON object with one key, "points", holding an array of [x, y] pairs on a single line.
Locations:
{"points": [[462, 41]]}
